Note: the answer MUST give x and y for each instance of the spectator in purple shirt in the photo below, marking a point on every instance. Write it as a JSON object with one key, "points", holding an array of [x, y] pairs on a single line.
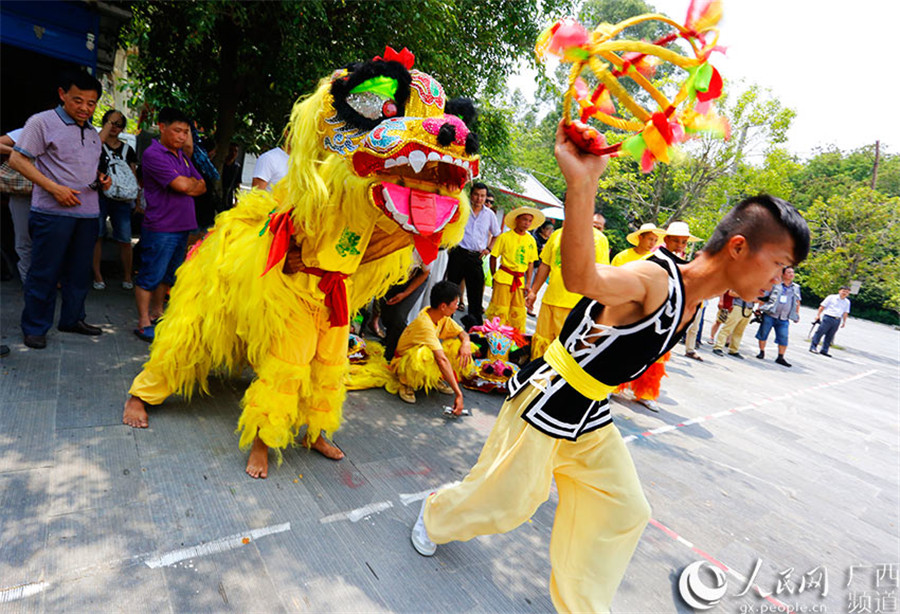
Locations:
{"points": [[170, 184], [59, 151]]}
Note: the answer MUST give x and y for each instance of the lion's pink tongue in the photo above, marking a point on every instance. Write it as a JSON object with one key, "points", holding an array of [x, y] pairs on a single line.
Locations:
{"points": [[424, 211]]}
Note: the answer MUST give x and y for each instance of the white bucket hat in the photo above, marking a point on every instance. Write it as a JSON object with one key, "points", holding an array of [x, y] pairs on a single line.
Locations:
{"points": [[680, 229]]}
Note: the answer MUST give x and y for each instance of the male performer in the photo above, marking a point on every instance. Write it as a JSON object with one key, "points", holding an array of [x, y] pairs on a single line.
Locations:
{"points": [[516, 251], [556, 423]]}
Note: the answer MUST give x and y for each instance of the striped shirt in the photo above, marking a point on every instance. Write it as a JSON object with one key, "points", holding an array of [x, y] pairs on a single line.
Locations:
{"points": [[611, 354]]}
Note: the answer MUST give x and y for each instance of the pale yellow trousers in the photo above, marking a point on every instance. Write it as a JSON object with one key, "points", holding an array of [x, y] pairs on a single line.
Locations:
{"points": [[599, 519]]}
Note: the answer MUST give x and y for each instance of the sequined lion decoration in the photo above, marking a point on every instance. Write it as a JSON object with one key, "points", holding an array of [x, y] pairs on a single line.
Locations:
{"points": [[494, 367], [605, 58], [378, 160]]}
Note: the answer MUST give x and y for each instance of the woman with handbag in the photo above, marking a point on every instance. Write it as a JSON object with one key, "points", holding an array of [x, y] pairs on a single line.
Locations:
{"points": [[119, 161]]}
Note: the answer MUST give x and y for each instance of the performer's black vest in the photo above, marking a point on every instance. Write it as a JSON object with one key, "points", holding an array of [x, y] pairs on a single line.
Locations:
{"points": [[610, 354]]}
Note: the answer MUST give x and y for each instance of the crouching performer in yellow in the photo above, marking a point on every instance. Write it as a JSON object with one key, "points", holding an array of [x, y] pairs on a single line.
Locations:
{"points": [[433, 351], [557, 301], [377, 166], [556, 422], [516, 251]]}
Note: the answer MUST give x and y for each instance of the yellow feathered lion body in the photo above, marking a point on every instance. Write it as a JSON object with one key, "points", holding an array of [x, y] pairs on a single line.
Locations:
{"points": [[374, 172]]}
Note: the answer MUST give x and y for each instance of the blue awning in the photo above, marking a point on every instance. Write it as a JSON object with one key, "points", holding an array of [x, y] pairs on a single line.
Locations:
{"points": [[60, 29]]}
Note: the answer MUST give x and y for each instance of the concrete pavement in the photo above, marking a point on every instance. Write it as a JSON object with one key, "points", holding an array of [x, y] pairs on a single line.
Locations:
{"points": [[748, 464]]}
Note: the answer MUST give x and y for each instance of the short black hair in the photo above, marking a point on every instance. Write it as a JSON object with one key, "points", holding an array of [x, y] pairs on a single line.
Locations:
{"points": [[844, 288], [478, 186], [443, 293], [762, 219], [545, 224], [81, 80], [171, 115]]}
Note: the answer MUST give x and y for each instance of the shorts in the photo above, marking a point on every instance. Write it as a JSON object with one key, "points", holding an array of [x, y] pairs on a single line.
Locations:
{"points": [[781, 329], [722, 315], [161, 255], [119, 213]]}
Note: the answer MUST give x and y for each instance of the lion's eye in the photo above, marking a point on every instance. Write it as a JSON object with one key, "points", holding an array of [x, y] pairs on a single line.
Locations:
{"points": [[374, 98], [367, 104]]}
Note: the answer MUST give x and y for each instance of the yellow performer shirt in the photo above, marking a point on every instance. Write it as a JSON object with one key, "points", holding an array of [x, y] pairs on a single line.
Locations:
{"points": [[422, 331], [556, 293], [516, 252], [628, 255]]}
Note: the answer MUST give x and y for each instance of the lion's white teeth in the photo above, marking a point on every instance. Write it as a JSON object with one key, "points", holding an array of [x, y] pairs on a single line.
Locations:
{"points": [[466, 164], [401, 160], [447, 158], [417, 160], [434, 157], [390, 163]]}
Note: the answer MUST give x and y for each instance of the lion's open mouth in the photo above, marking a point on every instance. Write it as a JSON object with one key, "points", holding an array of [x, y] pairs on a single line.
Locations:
{"points": [[416, 211], [421, 163]]}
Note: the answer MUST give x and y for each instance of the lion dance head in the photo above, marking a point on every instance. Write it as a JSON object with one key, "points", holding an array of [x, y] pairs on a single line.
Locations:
{"points": [[382, 135]]}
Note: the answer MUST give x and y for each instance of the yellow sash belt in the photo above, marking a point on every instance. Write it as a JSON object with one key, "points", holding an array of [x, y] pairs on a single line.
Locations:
{"points": [[558, 358]]}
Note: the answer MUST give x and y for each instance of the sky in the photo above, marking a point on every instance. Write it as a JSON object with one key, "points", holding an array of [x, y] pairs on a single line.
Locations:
{"points": [[834, 63]]}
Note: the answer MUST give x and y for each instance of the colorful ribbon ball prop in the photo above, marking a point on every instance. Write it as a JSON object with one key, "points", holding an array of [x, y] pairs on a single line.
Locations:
{"points": [[602, 58]]}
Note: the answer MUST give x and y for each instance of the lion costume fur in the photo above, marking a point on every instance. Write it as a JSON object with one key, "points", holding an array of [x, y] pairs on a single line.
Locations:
{"points": [[345, 212]]}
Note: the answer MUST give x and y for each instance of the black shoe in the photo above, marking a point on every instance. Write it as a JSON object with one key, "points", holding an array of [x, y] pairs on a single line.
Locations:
{"points": [[826, 354], [37, 342], [813, 350], [781, 361], [4, 350], [82, 328], [735, 355], [718, 352], [761, 355]]}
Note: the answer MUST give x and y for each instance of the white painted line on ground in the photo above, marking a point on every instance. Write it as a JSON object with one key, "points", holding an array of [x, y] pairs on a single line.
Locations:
{"points": [[219, 545], [406, 499], [14, 593], [359, 513]]}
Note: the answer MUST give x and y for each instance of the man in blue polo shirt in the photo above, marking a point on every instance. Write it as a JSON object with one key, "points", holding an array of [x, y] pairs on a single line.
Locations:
{"points": [[59, 152]]}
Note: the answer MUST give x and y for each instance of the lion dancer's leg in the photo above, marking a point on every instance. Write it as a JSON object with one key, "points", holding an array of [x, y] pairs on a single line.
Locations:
{"points": [[269, 416], [321, 409]]}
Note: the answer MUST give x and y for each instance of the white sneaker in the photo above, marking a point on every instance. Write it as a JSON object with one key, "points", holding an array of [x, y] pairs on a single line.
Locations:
{"points": [[127, 285], [650, 404], [420, 540], [99, 285]]}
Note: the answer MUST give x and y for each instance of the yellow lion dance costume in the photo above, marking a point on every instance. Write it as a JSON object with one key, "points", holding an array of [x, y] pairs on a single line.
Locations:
{"points": [[377, 167]]}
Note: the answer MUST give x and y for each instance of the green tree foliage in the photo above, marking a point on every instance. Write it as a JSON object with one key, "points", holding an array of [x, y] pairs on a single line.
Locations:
{"points": [[238, 66], [855, 235]]}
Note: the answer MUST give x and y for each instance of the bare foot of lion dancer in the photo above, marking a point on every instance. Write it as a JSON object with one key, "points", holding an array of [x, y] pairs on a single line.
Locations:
{"points": [[377, 165]]}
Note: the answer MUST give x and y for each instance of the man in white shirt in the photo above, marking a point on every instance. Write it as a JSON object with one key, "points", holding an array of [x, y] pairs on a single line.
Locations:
{"points": [[270, 168], [833, 312]]}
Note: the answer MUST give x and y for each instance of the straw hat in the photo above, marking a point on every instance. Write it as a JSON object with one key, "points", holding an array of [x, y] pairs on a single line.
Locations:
{"points": [[680, 229], [648, 227], [537, 220]]}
